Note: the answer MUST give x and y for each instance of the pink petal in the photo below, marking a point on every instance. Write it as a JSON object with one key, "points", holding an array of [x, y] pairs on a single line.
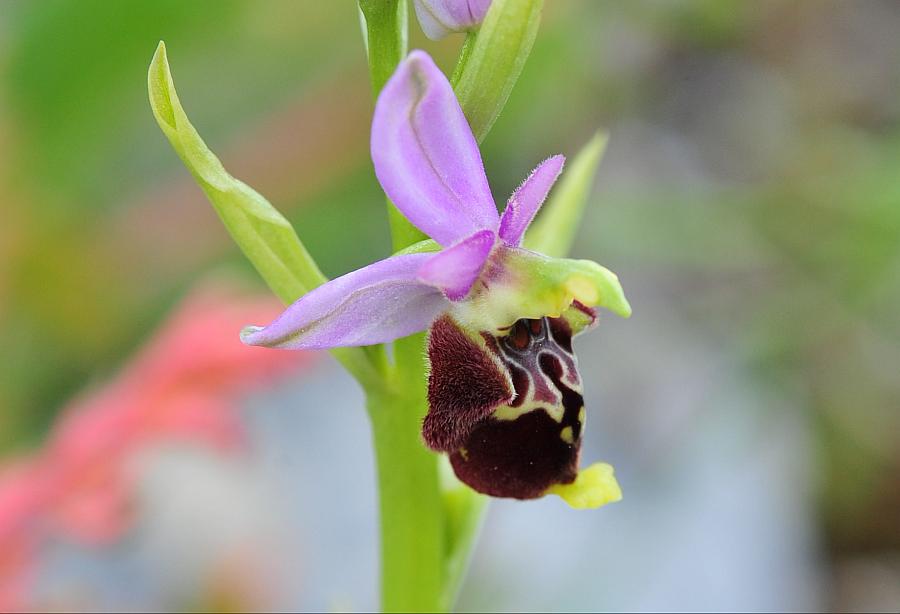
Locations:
{"points": [[524, 203], [455, 269]]}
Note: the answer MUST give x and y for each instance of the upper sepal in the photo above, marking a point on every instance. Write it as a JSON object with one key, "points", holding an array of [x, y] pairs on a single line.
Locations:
{"points": [[426, 157]]}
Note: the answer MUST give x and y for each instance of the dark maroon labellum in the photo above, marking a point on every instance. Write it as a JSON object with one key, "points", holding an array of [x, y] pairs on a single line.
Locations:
{"points": [[507, 445], [465, 385]]}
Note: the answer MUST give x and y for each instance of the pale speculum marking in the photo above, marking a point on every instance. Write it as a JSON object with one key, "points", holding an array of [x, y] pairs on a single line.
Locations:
{"points": [[538, 354]]}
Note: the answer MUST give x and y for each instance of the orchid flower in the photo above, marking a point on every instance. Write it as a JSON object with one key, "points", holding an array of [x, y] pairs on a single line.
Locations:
{"points": [[439, 18], [504, 392]]}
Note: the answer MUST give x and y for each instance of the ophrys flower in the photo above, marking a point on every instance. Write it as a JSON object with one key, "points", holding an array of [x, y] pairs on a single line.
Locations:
{"points": [[504, 392]]}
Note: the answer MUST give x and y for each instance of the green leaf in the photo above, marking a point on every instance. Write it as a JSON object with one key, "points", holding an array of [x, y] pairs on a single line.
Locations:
{"points": [[554, 230], [257, 227], [263, 234], [494, 63]]}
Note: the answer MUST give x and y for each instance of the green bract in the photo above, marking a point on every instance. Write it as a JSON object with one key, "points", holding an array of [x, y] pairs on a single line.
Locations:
{"points": [[495, 60], [263, 234], [554, 230]]}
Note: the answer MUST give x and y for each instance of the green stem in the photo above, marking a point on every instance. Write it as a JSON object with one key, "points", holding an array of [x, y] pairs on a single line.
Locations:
{"points": [[412, 516], [464, 54], [385, 24], [427, 532]]}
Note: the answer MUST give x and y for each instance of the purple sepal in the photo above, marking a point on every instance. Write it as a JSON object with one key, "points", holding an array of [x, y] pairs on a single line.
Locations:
{"points": [[426, 157], [375, 304]]}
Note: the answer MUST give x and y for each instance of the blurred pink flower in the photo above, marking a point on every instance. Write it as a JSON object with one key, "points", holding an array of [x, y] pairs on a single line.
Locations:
{"points": [[182, 387]]}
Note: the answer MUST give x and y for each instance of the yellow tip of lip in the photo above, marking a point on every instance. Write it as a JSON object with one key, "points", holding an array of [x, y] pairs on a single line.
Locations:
{"points": [[594, 487]]}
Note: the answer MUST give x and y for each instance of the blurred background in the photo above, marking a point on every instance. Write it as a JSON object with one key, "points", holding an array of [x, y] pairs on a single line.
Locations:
{"points": [[749, 201]]}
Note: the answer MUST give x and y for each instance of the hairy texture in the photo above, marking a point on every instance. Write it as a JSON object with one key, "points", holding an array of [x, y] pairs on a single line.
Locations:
{"points": [[524, 203], [534, 441], [465, 385]]}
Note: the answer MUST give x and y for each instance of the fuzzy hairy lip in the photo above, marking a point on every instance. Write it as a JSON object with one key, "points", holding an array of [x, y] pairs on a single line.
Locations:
{"points": [[508, 410]]}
